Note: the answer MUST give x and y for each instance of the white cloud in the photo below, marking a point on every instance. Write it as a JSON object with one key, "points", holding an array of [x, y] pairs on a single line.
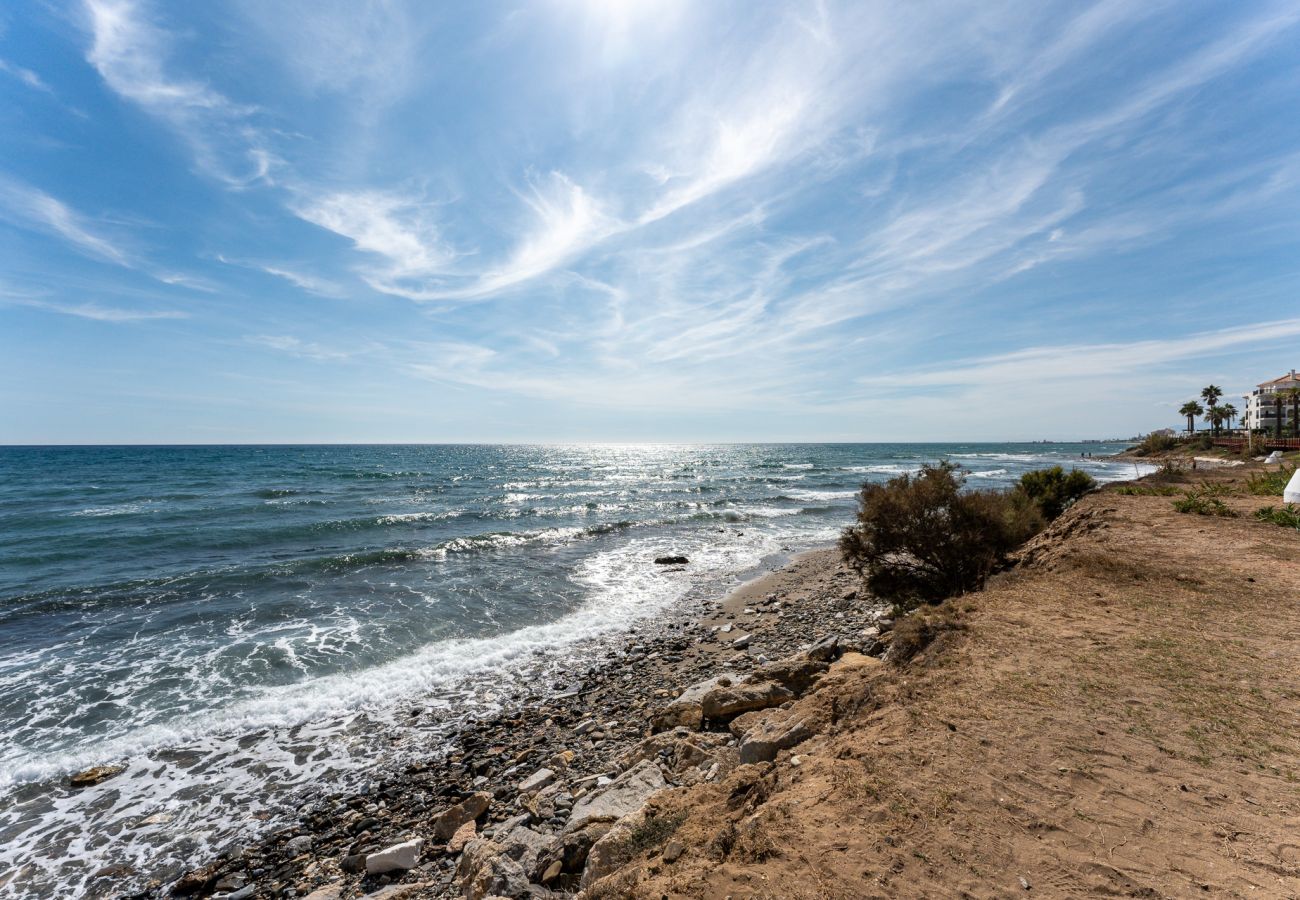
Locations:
{"points": [[312, 284], [1078, 363], [399, 230], [26, 76], [130, 53], [100, 313], [294, 346], [37, 209]]}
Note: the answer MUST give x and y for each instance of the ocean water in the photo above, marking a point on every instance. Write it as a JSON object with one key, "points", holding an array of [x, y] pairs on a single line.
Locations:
{"points": [[237, 623]]}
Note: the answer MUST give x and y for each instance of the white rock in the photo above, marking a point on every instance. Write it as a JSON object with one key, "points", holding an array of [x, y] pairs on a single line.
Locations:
{"points": [[1292, 492], [535, 782], [395, 858]]}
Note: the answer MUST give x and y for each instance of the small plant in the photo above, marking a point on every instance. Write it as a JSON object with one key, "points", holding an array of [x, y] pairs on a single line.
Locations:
{"points": [[1270, 484], [1171, 467], [916, 631], [1154, 443], [1142, 490], [1286, 516], [1053, 491], [920, 539], [1204, 501]]}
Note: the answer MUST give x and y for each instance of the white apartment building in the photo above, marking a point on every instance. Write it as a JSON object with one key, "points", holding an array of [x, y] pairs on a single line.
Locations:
{"points": [[1261, 403]]}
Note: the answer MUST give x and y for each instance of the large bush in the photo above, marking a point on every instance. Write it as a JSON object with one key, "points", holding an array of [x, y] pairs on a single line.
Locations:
{"points": [[1054, 491], [1154, 443], [921, 538]]}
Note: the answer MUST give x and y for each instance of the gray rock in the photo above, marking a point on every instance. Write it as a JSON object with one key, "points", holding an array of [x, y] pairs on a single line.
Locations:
{"points": [[535, 782], [623, 796], [298, 845], [686, 710], [523, 845], [569, 851], [725, 703], [825, 650], [797, 673], [396, 858], [778, 730], [485, 871]]}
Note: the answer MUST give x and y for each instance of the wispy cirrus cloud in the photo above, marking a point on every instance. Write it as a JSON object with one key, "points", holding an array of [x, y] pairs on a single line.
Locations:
{"points": [[131, 53], [36, 209], [295, 346], [312, 284], [1080, 362], [91, 310], [26, 76]]}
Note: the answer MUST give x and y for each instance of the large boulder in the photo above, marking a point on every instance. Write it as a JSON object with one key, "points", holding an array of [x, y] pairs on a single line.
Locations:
{"points": [[679, 750], [396, 858], [768, 735], [485, 870], [611, 852], [686, 710], [623, 796], [825, 650], [795, 673], [450, 820], [523, 845], [568, 854], [723, 704]]}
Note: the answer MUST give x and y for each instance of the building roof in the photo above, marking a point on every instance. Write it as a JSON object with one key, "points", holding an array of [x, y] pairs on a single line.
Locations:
{"points": [[1287, 380]]}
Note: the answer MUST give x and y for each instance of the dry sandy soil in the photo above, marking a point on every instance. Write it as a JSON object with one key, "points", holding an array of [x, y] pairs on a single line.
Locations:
{"points": [[1117, 716]]}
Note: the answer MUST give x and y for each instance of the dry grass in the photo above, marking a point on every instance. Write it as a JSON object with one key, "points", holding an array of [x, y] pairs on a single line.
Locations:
{"points": [[1115, 718]]}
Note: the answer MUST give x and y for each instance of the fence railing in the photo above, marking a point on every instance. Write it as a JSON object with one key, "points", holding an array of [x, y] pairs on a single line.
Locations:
{"points": [[1263, 443]]}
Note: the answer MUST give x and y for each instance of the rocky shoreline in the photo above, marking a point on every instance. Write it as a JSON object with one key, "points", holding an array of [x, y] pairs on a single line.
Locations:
{"points": [[534, 801]]}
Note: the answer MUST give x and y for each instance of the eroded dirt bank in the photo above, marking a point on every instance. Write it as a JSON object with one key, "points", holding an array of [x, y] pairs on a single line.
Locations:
{"points": [[1116, 717]]}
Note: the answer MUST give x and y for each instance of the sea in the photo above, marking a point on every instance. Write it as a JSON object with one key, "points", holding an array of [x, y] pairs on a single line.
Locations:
{"points": [[244, 625]]}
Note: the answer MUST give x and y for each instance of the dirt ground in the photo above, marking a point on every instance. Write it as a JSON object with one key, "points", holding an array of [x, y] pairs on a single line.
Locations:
{"points": [[1117, 716]]}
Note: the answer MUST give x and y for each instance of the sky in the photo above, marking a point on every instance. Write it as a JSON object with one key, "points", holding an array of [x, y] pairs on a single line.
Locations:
{"points": [[641, 220]]}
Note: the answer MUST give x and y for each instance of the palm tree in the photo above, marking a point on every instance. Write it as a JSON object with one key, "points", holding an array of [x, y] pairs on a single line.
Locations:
{"points": [[1294, 395], [1191, 409], [1277, 414], [1230, 412], [1215, 416], [1211, 394]]}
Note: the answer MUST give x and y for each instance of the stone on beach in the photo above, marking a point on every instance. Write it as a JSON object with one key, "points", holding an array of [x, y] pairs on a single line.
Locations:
{"points": [[535, 782], [450, 820], [797, 673], [95, 774], [671, 561], [398, 857], [464, 834], [775, 731], [724, 703], [686, 710], [623, 796]]}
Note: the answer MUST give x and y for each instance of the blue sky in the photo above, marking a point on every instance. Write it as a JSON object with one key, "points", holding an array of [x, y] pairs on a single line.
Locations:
{"points": [[638, 220]]}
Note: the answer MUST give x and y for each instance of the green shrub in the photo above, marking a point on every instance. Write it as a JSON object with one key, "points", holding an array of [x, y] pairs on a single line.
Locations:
{"points": [[1156, 443], [1143, 490], [920, 539], [1053, 491], [1270, 484], [1287, 516], [1204, 501]]}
